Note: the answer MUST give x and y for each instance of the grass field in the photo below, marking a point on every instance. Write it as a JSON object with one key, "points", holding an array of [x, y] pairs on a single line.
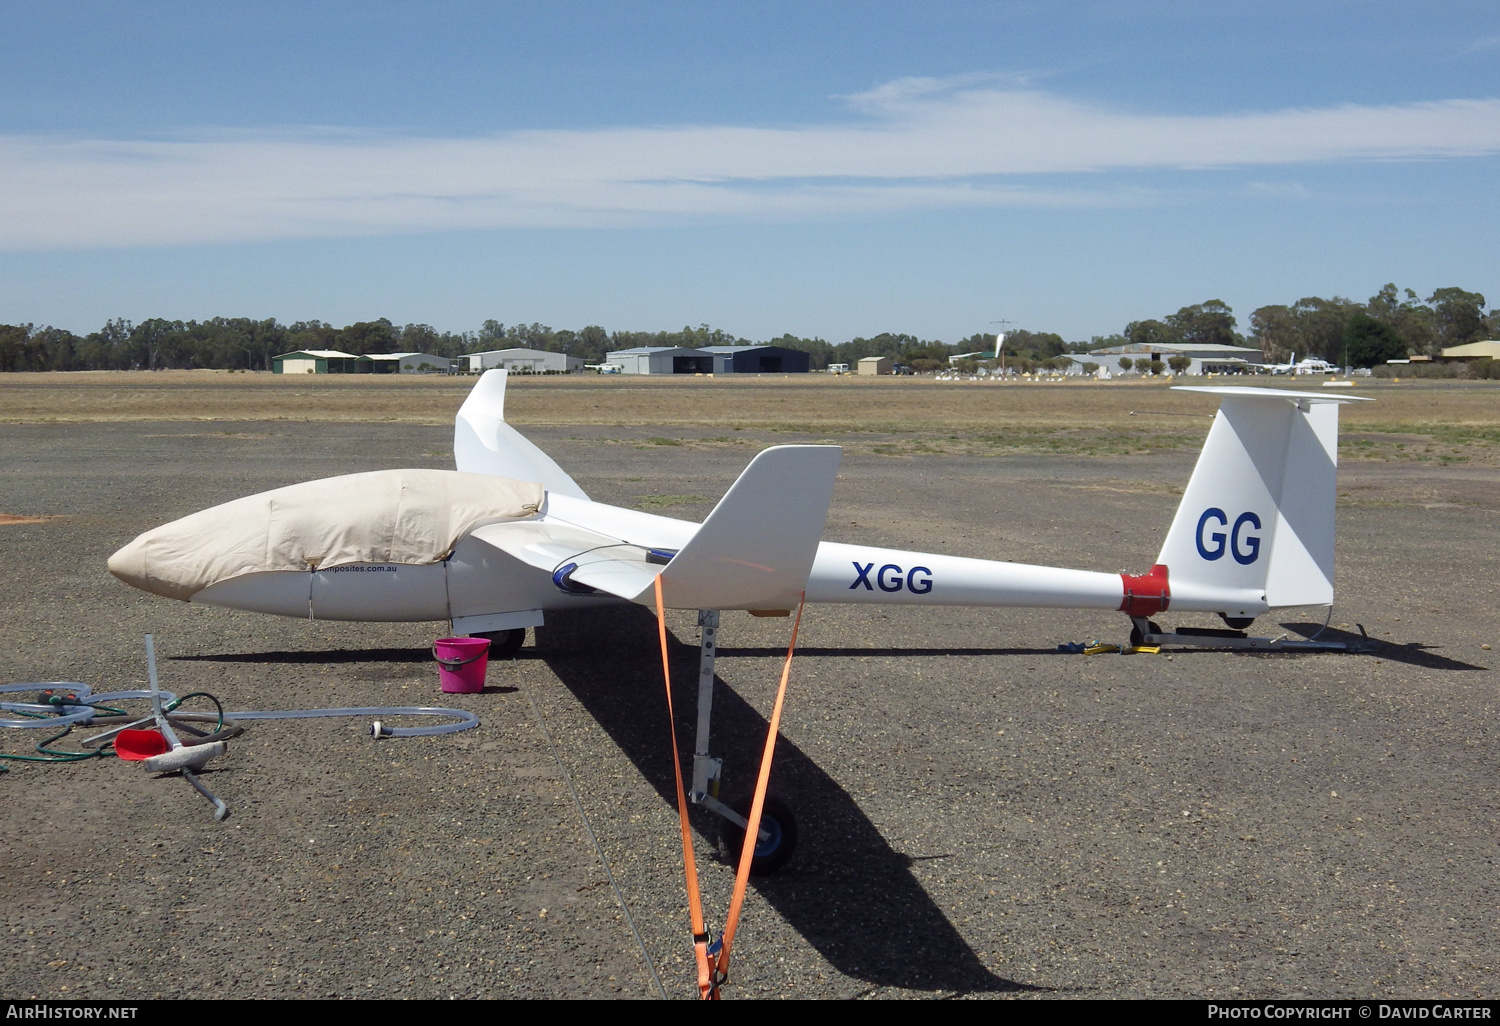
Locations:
{"points": [[1417, 421]]}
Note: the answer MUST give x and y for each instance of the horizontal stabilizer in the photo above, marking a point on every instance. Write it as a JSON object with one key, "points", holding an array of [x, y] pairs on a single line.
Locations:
{"points": [[484, 444], [757, 547], [754, 551], [1248, 392]]}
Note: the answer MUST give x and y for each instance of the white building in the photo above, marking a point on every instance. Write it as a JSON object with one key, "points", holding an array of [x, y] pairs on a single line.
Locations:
{"points": [[407, 363], [524, 361], [661, 360], [1208, 358]]}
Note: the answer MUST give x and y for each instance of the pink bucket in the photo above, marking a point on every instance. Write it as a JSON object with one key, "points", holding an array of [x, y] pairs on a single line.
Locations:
{"points": [[461, 663]]}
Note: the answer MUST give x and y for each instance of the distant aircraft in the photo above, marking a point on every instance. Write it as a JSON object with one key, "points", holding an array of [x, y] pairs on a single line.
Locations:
{"points": [[1313, 365], [1283, 368], [508, 537]]}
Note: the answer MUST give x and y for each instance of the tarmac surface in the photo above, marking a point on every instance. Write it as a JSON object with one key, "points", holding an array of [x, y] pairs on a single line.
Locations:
{"points": [[980, 815]]}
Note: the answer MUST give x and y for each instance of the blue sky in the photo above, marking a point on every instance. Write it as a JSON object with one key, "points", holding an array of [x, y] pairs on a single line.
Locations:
{"points": [[818, 168]]}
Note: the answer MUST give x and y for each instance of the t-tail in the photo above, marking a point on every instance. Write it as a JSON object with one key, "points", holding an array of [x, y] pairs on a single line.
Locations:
{"points": [[1254, 531]]}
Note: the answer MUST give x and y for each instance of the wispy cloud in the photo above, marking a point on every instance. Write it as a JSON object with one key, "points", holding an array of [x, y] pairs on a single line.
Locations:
{"points": [[909, 144]]}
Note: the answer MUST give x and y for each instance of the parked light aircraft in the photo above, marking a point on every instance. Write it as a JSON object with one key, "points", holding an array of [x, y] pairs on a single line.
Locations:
{"points": [[509, 536]]}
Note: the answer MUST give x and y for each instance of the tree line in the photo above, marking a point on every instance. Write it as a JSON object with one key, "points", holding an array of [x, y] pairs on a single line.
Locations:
{"points": [[1392, 324]]}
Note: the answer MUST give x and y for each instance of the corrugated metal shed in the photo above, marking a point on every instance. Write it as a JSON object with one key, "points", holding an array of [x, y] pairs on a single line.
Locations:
{"points": [[758, 360], [315, 361], [521, 359], [662, 360]]}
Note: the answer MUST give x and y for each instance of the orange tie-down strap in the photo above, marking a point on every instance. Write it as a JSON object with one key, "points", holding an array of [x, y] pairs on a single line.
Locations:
{"points": [[712, 974]]}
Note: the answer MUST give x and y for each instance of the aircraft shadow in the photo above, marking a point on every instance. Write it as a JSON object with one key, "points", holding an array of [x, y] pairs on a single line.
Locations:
{"points": [[860, 652], [326, 657], [846, 890], [1413, 652]]}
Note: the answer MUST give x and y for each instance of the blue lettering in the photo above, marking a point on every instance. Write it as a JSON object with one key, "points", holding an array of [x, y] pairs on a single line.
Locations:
{"points": [[896, 581], [864, 576], [1217, 537], [911, 581], [1252, 542]]}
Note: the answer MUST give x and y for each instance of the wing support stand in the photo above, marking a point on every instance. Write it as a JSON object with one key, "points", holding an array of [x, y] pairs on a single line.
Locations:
{"points": [[706, 768], [1144, 632]]}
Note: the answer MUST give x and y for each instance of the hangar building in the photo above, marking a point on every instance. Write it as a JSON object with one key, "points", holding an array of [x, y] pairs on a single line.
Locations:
{"points": [[523, 361], [758, 360], [331, 361], [1207, 358], [407, 363], [662, 360], [710, 360], [316, 361]]}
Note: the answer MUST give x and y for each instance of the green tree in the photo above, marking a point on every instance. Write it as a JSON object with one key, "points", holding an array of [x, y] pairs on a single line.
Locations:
{"points": [[1412, 319], [1458, 316], [1035, 345], [1179, 364], [13, 348], [1150, 333], [1321, 326], [377, 336], [309, 335], [1276, 331], [1369, 342], [419, 338], [1208, 323]]}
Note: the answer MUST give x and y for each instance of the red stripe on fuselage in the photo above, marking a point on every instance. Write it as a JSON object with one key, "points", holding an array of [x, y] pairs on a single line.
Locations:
{"points": [[1146, 594]]}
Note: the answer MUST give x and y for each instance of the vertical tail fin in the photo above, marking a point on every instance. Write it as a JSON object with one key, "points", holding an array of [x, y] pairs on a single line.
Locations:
{"points": [[484, 444], [1254, 530]]}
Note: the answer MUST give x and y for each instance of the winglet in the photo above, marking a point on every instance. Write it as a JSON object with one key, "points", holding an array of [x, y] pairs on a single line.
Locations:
{"points": [[484, 444], [756, 548]]}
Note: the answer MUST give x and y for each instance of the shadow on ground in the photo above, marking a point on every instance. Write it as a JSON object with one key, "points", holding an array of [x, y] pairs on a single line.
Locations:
{"points": [[1413, 652], [846, 890], [864, 652], [327, 657]]}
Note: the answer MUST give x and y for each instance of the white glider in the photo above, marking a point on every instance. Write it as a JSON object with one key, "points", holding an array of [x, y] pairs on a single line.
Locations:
{"points": [[509, 536]]}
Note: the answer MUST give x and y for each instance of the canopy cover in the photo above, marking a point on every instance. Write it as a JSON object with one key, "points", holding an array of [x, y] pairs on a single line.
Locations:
{"points": [[389, 516]]}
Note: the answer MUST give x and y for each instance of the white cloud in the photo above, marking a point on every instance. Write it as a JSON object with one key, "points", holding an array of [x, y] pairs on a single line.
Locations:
{"points": [[1278, 190], [910, 144]]}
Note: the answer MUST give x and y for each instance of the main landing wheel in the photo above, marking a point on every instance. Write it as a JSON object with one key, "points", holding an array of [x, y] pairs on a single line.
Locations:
{"points": [[772, 853], [504, 644]]}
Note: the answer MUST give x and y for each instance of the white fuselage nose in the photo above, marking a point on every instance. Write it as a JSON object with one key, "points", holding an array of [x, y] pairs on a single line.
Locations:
{"points": [[386, 546]]}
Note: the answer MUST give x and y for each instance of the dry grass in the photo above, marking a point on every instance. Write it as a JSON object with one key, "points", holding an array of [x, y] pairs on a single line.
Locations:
{"points": [[1437, 421]]}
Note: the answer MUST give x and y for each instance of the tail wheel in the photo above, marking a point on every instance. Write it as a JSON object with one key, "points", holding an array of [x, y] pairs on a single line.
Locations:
{"points": [[1137, 639], [771, 853], [504, 644]]}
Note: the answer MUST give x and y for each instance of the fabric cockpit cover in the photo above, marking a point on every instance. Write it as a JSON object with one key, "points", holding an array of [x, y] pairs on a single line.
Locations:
{"points": [[389, 516]]}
